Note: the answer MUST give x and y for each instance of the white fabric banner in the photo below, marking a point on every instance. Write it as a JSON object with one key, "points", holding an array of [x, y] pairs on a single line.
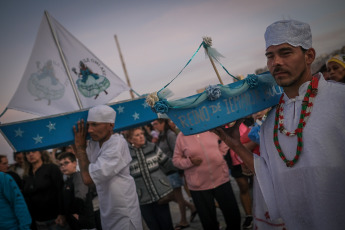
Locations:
{"points": [[45, 88]]}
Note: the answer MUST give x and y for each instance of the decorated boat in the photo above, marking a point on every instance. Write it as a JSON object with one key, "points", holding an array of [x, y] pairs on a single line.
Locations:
{"points": [[217, 104]]}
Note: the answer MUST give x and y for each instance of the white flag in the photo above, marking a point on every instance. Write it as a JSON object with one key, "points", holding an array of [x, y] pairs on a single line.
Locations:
{"points": [[46, 88]]}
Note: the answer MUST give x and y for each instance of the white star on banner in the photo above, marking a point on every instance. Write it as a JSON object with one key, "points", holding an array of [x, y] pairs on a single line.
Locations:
{"points": [[19, 132], [38, 139], [145, 105], [120, 109], [51, 126], [135, 116]]}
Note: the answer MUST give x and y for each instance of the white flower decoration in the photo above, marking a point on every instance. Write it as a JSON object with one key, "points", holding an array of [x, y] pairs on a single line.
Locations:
{"points": [[207, 40], [151, 99]]}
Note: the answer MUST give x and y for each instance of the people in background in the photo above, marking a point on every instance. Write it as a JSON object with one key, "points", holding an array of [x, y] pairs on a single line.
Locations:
{"points": [[18, 166], [4, 167], [14, 211], [77, 197], [201, 156], [148, 162], [166, 142], [336, 68], [42, 190]]}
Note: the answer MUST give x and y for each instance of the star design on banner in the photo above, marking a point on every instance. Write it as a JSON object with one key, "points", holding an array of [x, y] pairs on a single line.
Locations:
{"points": [[19, 132], [135, 116], [38, 139], [145, 105], [120, 109], [51, 126]]}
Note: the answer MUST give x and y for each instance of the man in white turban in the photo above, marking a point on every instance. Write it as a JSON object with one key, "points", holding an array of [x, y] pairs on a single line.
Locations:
{"points": [[104, 162], [302, 158]]}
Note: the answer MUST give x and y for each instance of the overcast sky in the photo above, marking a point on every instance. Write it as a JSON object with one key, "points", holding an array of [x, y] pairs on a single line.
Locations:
{"points": [[157, 37]]}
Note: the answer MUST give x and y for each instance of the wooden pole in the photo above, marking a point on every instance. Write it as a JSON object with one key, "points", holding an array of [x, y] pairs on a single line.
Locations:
{"points": [[124, 67], [214, 67]]}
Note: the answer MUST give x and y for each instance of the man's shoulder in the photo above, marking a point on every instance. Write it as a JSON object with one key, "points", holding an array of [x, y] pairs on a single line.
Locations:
{"points": [[115, 142], [332, 87], [116, 139]]}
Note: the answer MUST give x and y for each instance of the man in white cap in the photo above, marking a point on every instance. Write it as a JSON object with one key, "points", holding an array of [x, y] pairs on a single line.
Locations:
{"points": [[302, 155], [104, 162]]}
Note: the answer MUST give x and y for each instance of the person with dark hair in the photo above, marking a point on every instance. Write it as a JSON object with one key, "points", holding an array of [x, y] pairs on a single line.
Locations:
{"points": [[243, 177], [148, 162], [336, 68], [201, 156], [323, 69], [18, 166], [42, 190], [166, 142], [77, 197], [4, 167], [301, 140]]}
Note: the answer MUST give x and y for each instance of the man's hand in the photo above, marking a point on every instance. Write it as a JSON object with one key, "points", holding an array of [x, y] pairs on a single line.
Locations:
{"points": [[80, 151], [196, 161], [80, 136], [230, 135], [60, 220]]}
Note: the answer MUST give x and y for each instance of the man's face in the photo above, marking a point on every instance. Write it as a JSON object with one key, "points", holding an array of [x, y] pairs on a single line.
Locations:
{"points": [[67, 167], [19, 158], [100, 131], [33, 157], [4, 164], [158, 126], [286, 63]]}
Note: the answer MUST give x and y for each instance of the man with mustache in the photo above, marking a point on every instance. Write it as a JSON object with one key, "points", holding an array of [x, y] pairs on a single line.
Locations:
{"points": [[104, 162], [302, 140]]}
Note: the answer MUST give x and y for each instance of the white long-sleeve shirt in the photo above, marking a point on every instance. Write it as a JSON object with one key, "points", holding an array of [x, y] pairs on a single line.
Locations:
{"points": [[310, 195], [109, 170]]}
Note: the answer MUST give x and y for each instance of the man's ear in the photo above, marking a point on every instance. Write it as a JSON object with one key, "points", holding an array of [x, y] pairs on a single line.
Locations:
{"points": [[111, 126], [310, 56]]}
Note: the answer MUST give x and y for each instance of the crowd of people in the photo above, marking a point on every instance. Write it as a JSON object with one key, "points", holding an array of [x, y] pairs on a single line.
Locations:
{"points": [[291, 153]]}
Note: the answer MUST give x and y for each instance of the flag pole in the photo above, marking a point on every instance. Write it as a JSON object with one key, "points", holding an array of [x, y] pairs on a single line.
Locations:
{"points": [[124, 67], [64, 61], [214, 67]]}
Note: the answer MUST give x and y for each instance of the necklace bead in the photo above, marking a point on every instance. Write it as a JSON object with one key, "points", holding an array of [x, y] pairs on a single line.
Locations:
{"points": [[307, 106]]}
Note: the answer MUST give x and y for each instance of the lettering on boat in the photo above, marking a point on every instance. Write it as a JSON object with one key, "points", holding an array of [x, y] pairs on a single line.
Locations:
{"points": [[235, 106]]}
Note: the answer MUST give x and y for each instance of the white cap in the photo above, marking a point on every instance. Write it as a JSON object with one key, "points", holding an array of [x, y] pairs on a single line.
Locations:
{"points": [[292, 32], [102, 113]]}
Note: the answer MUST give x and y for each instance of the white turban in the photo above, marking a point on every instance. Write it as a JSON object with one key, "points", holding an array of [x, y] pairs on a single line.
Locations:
{"points": [[292, 32], [102, 113]]}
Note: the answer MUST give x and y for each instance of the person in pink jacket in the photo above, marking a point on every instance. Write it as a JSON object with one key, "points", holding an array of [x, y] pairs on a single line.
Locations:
{"points": [[201, 156]]}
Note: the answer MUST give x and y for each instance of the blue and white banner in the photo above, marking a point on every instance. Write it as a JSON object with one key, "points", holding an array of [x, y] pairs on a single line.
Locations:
{"points": [[47, 89]]}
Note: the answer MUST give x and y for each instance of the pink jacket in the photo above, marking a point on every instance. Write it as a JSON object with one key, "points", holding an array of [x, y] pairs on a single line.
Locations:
{"points": [[213, 171]]}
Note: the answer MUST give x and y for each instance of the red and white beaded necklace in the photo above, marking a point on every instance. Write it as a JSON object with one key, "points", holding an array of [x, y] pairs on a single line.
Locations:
{"points": [[307, 106]]}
